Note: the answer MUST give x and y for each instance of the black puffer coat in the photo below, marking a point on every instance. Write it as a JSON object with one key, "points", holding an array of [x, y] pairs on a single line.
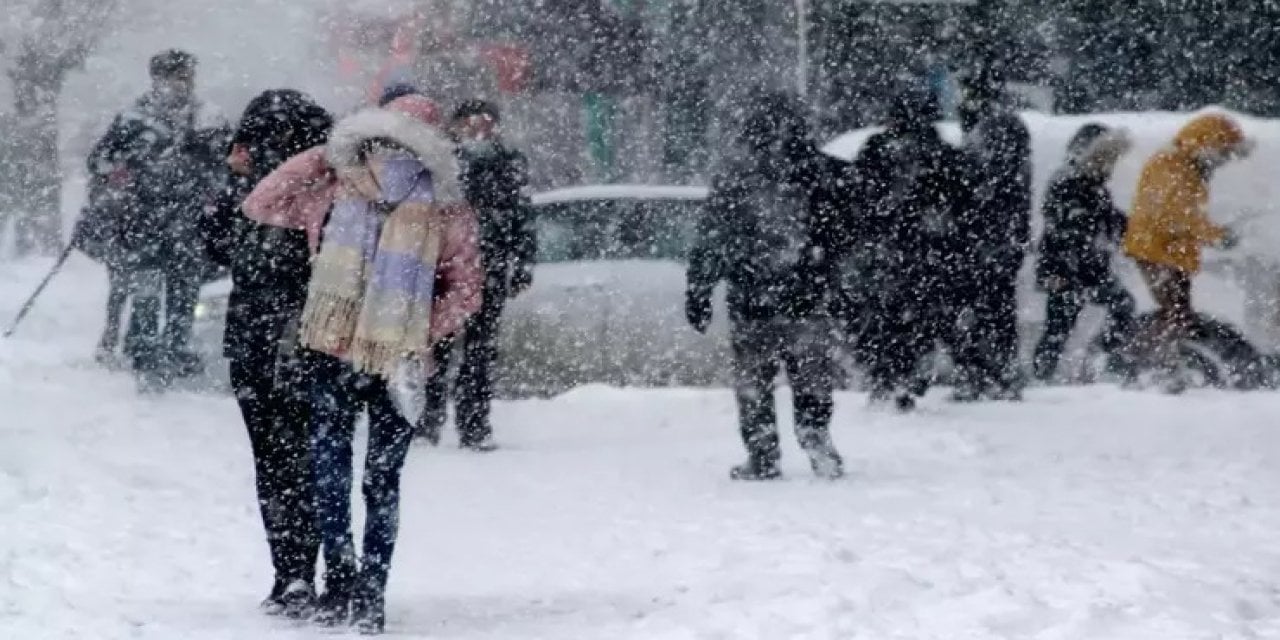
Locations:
{"points": [[773, 227], [270, 266]]}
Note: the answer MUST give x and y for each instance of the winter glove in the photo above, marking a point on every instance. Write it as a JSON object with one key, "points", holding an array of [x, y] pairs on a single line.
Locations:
{"points": [[521, 280], [697, 309], [1230, 239], [1053, 284]]}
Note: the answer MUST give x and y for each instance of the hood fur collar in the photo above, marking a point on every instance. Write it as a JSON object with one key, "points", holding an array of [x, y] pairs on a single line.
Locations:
{"points": [[431, 147]]}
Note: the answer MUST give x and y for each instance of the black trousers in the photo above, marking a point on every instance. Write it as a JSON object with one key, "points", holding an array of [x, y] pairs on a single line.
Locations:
{"points": [[143, 340], [1063, 309], [181, 293], [117, 298], [161, 317], [893, 348], [473, 390], [985, 347], [761, 348], [273, 401]]}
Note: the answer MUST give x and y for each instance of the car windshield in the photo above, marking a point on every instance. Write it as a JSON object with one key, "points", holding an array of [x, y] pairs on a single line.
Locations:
{"points": [[616, 230]]}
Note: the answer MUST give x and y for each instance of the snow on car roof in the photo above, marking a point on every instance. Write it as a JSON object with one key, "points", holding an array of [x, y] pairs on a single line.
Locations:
{"points": [[620, 192]]}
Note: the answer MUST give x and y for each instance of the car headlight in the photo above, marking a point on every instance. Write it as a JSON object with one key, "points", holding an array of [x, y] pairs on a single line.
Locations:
{"points": [[202, 311]]}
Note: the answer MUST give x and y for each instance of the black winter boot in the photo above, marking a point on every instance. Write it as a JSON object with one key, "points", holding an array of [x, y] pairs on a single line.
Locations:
{"points": [[273, 604], [823, 457], [368, 611], [299, 600], [333, 607], [755, 470]]}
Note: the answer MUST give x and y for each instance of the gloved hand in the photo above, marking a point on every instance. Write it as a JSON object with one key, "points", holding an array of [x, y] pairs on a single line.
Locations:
{"points": [[697, 310], [1230, 239], [1053, 284], [521, 280]]}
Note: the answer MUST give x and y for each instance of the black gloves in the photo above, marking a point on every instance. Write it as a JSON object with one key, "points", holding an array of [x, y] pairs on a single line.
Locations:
{"points": [[697, 310], [521, 280]]}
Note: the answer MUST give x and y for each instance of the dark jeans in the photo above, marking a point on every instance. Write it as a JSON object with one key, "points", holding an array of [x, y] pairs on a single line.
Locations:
{"points": [[760, 349], [1171, 289], [273, 401], [338, 395], [473, 390], [986, 346], [1063, 309]]}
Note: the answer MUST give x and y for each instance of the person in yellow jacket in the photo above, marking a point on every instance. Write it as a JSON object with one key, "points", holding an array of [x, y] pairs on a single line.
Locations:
{"points": [[1169, 224]]}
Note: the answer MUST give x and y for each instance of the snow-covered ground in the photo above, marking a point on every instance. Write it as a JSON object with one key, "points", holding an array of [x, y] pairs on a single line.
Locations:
{"points": [[1082, 513]]}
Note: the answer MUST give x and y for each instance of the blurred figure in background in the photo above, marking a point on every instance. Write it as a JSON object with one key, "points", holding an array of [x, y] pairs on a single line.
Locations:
{"points": [[986, 347], [142, 173], [1083, 229], [493, 179], [772, 230], [913, 190], [1169, 226], [270, 268]]}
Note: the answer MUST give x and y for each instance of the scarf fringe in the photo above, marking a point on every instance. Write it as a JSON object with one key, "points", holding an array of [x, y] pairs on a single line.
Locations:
{"points": [[378, 358], [329, 322]]}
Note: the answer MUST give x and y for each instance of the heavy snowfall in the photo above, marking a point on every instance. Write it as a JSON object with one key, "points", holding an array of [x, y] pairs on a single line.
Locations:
{"points": [[622, 319]]}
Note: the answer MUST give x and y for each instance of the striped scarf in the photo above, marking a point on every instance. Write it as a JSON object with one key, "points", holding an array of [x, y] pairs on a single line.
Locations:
{"points": [[372, 287]]}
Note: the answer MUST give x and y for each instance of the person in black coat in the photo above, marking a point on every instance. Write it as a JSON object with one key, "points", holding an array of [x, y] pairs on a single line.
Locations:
{"points": [[1083, 228], [772, 230], [494, 177], [914, 192], [148, 180], [986, 347], [270, 269]]}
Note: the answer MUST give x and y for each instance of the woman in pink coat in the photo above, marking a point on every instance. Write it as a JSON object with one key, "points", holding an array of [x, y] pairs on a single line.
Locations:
{"points": [[395, 269], [299, 194]]}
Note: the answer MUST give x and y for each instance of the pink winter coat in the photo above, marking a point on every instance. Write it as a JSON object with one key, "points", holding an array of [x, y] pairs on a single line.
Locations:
{"points": [[299, 194]]}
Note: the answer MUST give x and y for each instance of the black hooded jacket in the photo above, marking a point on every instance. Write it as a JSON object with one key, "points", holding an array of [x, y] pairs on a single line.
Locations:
{"points": [[915, 197], [270, 266], [773, 226], [493, 178], [1082, 230], [1000, 146]]}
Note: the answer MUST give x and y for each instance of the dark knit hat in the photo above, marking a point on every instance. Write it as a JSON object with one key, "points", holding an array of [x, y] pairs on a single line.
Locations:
{"points": [[477, 108], [173, 62]]}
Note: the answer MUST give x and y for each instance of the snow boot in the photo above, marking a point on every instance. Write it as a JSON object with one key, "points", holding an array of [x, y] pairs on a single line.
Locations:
{"points": [[905, 403], [756, 470], [180, 363], [485, 445], [273, 604], [966, 395], [152, 382], [368, 611], [826, 463], [333, 607], [429, 433], [823, 457], [299, 600]]}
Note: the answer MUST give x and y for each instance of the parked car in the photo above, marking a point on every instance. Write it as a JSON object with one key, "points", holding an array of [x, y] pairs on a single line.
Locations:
{"points": [[607, 304]]}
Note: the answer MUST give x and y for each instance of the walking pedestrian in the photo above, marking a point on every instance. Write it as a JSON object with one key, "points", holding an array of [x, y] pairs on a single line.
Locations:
{"points": [[270, 268], [397, 271], [494, 177], [1083, 229]]}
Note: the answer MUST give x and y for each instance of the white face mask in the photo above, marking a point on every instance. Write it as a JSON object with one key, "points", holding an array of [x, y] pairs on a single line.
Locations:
{"points": [[480, 146]]}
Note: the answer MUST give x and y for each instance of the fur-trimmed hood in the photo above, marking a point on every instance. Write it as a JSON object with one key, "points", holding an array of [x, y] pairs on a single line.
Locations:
{"points": [[429, 144]]}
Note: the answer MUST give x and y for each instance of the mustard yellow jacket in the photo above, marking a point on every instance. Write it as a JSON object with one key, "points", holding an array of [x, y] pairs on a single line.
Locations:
{"points": [[1169, 223]]}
